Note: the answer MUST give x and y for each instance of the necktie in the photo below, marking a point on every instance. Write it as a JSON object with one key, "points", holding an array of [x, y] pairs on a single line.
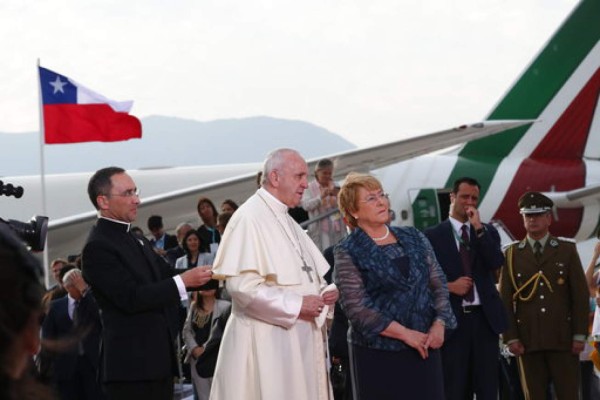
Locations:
{"points": [[466, 258], [537, 250], [75, 317], [77, 327]]}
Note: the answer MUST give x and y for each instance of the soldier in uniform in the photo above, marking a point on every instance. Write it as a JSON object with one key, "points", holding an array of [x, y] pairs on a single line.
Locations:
{"points": [[544, 290]]}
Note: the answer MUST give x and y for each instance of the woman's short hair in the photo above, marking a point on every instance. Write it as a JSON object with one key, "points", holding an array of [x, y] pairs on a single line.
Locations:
{"points": [[185, 238], [348, 195]]}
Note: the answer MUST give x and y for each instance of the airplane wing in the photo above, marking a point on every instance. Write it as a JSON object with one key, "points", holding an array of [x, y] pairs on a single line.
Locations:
{"points": [[368, 159], [575, 198], [67, 235]]}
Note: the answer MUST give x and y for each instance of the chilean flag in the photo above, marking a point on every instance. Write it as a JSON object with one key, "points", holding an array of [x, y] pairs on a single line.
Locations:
{"points": [[74, 113]]}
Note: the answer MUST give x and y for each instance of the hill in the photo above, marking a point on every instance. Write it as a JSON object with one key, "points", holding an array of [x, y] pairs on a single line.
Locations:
{"points": [[168, 141]]}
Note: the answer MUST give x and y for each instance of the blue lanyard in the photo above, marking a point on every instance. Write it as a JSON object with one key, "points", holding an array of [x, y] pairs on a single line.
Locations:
{"points": [[213, 231]]}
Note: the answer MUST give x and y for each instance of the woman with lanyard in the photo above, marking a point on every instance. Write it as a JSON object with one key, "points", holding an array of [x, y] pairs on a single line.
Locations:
{"points": [[208, 232]]}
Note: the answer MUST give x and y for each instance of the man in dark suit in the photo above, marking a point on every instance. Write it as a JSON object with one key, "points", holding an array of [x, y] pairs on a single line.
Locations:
{"points": [[160, 241], [137, 292], [469, 253], [73, 323]]}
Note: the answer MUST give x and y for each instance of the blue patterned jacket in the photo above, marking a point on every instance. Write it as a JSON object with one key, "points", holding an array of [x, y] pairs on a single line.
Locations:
{"points": [[374, 292]]}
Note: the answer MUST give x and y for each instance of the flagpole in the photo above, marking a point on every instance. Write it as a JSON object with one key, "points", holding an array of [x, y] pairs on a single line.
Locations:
{"points": [[42, 171]]}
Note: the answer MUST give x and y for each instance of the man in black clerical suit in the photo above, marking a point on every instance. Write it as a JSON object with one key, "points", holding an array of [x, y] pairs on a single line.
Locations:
{"points": [[136, 291], [469, 253]]}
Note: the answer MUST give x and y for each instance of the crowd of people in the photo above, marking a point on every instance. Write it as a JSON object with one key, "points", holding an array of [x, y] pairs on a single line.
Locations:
{"points": [[246, 303]]}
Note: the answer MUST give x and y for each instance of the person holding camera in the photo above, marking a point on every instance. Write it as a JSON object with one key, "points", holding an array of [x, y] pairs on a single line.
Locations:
{"points": [[320, 198]]}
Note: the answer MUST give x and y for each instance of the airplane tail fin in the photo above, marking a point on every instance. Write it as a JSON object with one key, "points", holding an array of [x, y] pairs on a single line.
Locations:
{"points": [[560, 88]]}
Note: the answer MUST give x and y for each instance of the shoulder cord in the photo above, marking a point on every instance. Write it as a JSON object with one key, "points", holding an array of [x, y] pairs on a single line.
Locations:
{"points": [[534, 280]]}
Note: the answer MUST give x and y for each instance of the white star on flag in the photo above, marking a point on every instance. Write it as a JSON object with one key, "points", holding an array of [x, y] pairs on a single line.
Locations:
{"points": [[58, 85]]}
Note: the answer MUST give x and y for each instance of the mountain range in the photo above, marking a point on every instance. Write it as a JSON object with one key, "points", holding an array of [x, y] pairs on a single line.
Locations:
{"points": [[169, 141]]}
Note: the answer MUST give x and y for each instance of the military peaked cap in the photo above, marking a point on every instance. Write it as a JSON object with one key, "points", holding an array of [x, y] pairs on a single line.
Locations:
{"points": [[534, 203]]}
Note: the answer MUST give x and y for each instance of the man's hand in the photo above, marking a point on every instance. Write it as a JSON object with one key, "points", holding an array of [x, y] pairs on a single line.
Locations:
{"points": [[577, 347], [516, 348], [461, 286], [311, 307], [473, 215], [330, 297], [196, 276], [79, 283]]}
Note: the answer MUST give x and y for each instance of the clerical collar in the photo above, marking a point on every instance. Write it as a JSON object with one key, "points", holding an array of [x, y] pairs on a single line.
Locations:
{"points": [[542, 240], [280, 206], [127, 224]]}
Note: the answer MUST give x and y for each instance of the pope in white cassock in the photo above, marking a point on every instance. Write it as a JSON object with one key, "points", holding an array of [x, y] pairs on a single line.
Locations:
{"points": [[273, 348]]}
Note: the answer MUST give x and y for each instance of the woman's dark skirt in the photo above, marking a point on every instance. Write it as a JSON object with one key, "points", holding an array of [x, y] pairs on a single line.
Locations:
{"points": [[396, 375]]}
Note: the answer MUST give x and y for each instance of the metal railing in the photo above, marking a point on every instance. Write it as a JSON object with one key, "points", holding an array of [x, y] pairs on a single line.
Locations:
{"points": [[320, 217], [328, 238]]}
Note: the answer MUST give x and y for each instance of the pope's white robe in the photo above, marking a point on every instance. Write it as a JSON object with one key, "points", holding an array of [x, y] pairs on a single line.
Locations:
{"points": [[267, 353]]}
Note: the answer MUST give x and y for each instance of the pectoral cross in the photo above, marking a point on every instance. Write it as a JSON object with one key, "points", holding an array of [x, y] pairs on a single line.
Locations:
{"points": [[307, 269]]}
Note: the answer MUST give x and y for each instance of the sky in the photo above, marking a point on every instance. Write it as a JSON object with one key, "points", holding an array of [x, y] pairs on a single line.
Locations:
{"points": [[371, 71]]}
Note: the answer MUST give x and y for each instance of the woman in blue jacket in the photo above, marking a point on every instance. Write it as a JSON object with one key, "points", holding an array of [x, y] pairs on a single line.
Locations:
{"points": [[395, 296]]}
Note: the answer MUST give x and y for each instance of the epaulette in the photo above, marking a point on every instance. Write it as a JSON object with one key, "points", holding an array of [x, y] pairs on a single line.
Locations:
{"points": [[506, 246], [564, 239]]}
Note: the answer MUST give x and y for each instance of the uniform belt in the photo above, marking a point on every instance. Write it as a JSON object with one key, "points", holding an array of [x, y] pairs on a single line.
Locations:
{"points": [[471, 308]]}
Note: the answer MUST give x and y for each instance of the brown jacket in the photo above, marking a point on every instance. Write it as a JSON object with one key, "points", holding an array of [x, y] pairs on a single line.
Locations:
{"points": [[552, 305]]}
